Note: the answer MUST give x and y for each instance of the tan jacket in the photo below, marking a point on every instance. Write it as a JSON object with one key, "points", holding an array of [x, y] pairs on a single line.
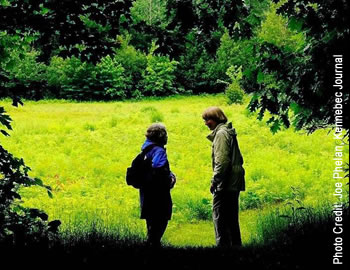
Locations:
{"points": [[227, 160]]}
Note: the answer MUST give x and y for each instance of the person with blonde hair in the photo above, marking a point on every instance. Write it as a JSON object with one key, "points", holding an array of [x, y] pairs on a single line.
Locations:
{"points": [[228, 177]]}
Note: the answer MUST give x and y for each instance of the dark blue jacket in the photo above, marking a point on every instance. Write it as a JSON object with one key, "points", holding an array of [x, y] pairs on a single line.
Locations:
{"points": [[157, 154], [155, 198]]}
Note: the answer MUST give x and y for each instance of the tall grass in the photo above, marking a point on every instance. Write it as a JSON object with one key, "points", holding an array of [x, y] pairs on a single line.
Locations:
{"points": [[283, 225]]}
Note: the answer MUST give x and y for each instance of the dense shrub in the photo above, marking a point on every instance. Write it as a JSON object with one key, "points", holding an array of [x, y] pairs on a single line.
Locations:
{"points": [[232, 53], [55, 73], [250, 200], [200, 209], [25, 67], [193, 72], [68, 75], [82, 80], [274, 30], [234, 91], [21, 72], [129, 73], [134, 62], [159, 76], [110, 76]]}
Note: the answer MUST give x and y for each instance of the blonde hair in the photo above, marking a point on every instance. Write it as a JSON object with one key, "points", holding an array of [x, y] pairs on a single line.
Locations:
{"points": [[214, 113]]}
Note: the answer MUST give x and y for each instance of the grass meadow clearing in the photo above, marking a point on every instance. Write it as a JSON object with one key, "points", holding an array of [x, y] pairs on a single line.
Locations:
{"points": [[82, 151]]}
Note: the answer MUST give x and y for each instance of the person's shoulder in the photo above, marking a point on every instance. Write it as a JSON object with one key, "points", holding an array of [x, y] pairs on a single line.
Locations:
{"points": [[158, 150], [159, 157], [222, 135], [222, 132]]}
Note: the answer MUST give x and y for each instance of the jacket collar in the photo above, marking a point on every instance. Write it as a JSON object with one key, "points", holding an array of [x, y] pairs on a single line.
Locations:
{"points": [[148, 142], [211, 136]]}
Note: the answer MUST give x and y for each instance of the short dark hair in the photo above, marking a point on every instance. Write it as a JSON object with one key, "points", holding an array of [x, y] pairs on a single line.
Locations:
{"points": [[157, 133], [214, 113]]}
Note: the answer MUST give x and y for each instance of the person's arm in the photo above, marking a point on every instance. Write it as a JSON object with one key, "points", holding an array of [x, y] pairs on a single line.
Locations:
{"points": [[160, 170], [173, 179], [221, 156], [159, 157]]}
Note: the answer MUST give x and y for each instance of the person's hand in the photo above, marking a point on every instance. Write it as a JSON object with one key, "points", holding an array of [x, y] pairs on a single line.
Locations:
{"points": [[172, 180], [212, 188]]}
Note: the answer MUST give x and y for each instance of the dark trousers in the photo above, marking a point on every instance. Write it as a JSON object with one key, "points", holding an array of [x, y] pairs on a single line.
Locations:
{"points": [[225, 218], [155, 231]]}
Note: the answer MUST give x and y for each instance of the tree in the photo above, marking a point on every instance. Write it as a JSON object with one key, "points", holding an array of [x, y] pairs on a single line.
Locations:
{"points": [[81, 28], [153, 12], [297, 86], [62, 25], [18, 225]]}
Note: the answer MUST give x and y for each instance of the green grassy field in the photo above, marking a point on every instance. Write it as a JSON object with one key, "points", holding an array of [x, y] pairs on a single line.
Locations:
{"points": [[82, 151]]}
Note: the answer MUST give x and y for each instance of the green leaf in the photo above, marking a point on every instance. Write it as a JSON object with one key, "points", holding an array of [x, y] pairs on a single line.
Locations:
{"points": [[38, 213], [4, 132], [53, 225], [260, 77], [44, 10], [4, 3], [29, 39], [275, 125], [295, 24], [11, 64], [15, 195], [16, 101], [38, 182], [50, 194]]}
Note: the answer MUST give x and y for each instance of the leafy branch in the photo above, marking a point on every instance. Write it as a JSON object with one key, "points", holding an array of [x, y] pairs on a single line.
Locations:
{"points": [[19, 225]]}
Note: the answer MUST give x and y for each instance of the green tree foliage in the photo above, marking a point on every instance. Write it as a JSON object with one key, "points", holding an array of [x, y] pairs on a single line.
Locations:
{"points": [[274, 30], [159, 76], [110, 75], [19, 226], [285, 49], [86, 81], [23, 71], [214, 16], [84, 29], [19, 71], [256, 12], [80, 80], [192, 37], [152, 12], [297, 77], [194, 65], [234, 91], [233, 53], [27, 68], [134, 62], [64, 24]]}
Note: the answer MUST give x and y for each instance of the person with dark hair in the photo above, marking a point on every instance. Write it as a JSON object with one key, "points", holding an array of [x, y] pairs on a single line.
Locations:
{"points": [[155, 197], [228, 178]]}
